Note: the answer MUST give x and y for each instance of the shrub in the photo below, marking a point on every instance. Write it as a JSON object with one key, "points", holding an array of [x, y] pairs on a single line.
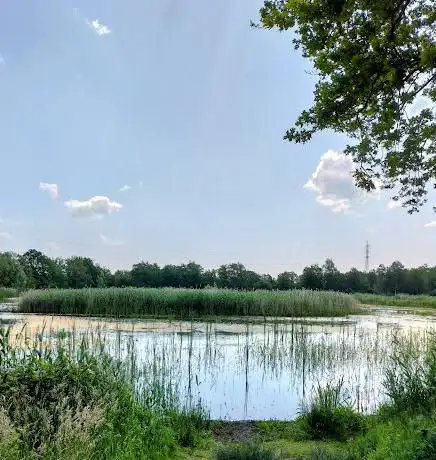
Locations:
{"points": [[245, 452], [329, 415]]}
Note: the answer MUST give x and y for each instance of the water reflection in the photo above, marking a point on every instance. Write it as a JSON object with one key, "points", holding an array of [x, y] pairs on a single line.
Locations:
{"points": [[253, 370]]}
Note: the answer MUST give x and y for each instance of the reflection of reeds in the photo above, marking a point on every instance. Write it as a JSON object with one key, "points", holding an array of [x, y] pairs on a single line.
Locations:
{"points": [[192, 360], [187, 303]]}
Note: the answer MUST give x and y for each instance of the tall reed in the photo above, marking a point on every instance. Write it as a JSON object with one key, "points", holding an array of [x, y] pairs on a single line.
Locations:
{"points": [[187, 303]]}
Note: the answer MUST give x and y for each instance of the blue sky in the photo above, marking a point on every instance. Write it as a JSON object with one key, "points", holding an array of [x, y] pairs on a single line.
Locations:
{"points": [[187, 106]]}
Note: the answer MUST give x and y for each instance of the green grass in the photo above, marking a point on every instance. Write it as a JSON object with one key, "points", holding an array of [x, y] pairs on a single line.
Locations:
{"points": [[7, 293], [70, 399], [186, 303], [399, 300]]}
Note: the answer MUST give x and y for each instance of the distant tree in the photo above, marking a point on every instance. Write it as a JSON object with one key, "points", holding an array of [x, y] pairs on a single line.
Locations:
{"points": [[395, 277], [355, 281], [331, 276], [286, 281], [41, 271], [81, 272], [209, 278], [312, 277], [146, 274], [12, 274], [122, 278], [265, 282]]}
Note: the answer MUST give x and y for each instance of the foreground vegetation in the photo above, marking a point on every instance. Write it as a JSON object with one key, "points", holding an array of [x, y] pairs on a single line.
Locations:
{"points": [[186, 303], [72, 400], [65, 396]]}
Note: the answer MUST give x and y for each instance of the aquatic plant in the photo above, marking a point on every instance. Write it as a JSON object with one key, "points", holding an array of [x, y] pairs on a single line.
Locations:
{"points": [[187, 303]]}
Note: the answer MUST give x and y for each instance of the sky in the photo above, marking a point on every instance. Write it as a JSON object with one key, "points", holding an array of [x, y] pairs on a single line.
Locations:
{"points": [[154, 131]]}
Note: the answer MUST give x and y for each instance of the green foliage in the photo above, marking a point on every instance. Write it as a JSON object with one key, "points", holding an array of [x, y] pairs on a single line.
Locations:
{"points": [[245, 452], [186, 303], [329, 415], [375, 63], [12, 274]]}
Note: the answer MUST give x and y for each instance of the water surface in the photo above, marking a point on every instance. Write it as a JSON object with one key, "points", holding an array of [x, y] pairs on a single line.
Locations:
{"points": [[254, 370]]}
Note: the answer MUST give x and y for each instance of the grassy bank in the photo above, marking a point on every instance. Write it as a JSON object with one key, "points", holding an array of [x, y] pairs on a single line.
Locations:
{"points": [[187, 303], [7, 293], [399, 300]]}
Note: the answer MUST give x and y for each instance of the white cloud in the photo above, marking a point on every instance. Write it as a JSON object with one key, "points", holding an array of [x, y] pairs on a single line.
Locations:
{"points": [[111, 242], [5, 236], [125, 188], [51, 189], [141, 184], [98, 27], [431, 224], [97, 206], [2, 60], [333, 183]]}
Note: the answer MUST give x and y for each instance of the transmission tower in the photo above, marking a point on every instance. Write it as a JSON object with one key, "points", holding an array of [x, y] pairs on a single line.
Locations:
{"points": [[367, 257]]}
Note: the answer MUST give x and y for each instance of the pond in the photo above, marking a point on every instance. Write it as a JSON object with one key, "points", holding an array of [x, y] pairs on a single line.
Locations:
{"points": [[255, 370]]}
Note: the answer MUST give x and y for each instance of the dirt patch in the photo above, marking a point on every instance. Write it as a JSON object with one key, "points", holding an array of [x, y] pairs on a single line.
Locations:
{"points": [[235, 431]]}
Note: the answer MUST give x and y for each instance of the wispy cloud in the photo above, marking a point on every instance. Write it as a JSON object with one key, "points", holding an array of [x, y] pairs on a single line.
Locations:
{"points": [[2, 59], [5, 236], [51, 189], [96, 206], [141, 185], [431, 224], [111, 241], [98, 27], [125, 188]]}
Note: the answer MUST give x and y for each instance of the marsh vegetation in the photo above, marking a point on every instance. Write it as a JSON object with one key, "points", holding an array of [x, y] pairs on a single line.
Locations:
{"points": [[187, 303]]}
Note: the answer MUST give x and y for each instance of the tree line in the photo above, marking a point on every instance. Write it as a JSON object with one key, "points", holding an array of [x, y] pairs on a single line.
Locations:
{"points": [[35, 270]]}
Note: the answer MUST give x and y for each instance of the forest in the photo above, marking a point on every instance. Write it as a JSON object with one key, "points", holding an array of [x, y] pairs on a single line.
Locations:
{"points": [[36, 270]]}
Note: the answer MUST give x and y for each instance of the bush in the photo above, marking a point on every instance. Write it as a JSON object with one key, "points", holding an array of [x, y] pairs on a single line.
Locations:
{"points": [[245, 452], [329, 415]]}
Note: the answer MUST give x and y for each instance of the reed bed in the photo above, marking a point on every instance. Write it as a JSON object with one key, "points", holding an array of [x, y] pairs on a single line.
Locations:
{"points": [[187, 303], [399, 300]]}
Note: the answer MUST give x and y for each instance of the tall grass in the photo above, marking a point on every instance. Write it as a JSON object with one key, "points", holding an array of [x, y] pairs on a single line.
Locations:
{"points": [[186, 303], [68, 398], [7, 293], [399, 300]]}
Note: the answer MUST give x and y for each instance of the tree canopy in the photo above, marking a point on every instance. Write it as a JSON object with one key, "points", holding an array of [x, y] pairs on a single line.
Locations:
{"points": [[376, 67], [35, 270]]}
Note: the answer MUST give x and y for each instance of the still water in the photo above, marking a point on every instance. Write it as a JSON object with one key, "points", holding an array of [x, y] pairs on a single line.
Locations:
{"points": [[254, 370]]}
